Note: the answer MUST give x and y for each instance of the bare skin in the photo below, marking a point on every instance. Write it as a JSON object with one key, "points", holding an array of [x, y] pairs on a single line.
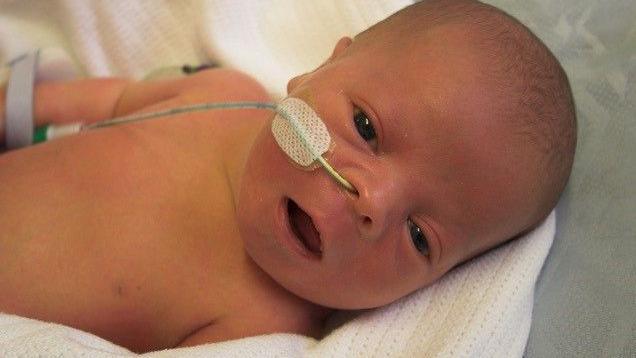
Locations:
{"points": [[145, 255]]}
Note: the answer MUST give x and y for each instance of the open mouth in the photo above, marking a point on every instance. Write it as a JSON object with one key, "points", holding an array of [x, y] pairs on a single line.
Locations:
{"points": [[304, 228]]}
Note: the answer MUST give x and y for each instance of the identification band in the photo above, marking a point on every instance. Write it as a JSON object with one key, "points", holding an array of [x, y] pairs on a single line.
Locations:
{"points": [[19, 101]]}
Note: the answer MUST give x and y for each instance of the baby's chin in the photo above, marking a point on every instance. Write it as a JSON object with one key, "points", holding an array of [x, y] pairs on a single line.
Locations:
{"points": [[342, 299], [357, 303]]}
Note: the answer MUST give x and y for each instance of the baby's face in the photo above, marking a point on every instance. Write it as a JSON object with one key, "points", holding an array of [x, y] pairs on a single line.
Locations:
{"points": [[411, 133]]}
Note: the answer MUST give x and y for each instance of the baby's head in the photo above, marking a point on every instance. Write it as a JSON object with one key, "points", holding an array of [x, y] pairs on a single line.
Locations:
{"points": [[455, 125]]}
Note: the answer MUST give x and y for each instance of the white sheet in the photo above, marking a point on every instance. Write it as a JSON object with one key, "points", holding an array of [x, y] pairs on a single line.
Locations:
{"points": [[480, 309]]}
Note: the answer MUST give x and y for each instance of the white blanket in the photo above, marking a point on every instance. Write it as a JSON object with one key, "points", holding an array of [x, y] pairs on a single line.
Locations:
{"points": [[480, 309]]}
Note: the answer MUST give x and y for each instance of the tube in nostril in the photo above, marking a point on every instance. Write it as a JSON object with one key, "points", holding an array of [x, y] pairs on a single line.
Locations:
{"points": [[303, 136]]}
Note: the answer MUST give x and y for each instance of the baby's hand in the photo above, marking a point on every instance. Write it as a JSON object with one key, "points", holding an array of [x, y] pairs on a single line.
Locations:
{"points": [[86, 100], [96, 99]]}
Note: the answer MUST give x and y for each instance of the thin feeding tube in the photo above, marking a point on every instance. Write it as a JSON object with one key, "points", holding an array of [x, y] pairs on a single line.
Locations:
{"points": [[332, 172], [178, 110], [226, 105]]}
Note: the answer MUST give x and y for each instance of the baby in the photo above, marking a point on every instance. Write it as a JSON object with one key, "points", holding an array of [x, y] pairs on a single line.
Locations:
{"points": [[454, 124]]}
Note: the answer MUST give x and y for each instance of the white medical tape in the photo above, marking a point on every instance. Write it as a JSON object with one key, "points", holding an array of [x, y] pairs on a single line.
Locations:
{"points": [[300, 132]]}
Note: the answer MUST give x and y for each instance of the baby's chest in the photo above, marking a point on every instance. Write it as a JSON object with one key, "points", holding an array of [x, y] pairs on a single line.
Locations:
{"points": [[118, 188], [131, 242]]}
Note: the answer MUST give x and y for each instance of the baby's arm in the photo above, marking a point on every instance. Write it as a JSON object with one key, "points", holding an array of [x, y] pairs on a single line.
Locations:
{"points": [[86, 100], [96, 99]]}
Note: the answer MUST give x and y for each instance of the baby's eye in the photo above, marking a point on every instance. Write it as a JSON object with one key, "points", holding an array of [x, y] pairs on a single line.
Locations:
{"points": [[418, 238], [365, 128]]}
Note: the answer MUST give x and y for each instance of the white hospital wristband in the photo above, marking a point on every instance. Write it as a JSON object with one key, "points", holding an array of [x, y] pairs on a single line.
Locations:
{"points": [[19, 101]]}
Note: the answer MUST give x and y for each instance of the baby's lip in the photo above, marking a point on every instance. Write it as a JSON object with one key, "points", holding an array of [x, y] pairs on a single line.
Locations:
{"points": [[304, 228]]}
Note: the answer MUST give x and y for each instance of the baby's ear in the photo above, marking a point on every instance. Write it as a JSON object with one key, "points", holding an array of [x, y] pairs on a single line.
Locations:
{"points": [[341, 46], [294, 82]]}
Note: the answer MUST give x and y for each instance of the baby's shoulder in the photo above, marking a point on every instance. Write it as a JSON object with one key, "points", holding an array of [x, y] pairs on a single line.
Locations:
{"points": [[223, 84], [258, 320]]}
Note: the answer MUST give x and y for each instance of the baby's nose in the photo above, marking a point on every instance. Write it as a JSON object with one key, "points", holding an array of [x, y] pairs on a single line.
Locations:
{"points": [[373, 206]]}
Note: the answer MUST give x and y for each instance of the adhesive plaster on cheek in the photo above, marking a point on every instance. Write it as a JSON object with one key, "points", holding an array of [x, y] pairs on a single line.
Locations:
{"points": [[300, 132]]}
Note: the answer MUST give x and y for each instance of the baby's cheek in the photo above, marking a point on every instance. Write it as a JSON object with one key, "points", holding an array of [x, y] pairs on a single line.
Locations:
{"points": [[389, 278]]}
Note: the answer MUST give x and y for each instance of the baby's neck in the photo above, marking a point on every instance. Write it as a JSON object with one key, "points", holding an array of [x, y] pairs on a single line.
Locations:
{"points": [[308, 317]]}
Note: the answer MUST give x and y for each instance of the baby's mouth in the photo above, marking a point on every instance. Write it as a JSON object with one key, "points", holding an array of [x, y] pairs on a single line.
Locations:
{"points": [[304, 229]]}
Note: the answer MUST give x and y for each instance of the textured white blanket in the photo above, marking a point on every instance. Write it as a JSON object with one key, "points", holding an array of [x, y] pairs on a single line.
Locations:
{"points": [[481, 309]]}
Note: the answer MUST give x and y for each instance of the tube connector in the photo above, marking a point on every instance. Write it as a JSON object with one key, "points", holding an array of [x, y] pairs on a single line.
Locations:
{"points": [[52, 131]]}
